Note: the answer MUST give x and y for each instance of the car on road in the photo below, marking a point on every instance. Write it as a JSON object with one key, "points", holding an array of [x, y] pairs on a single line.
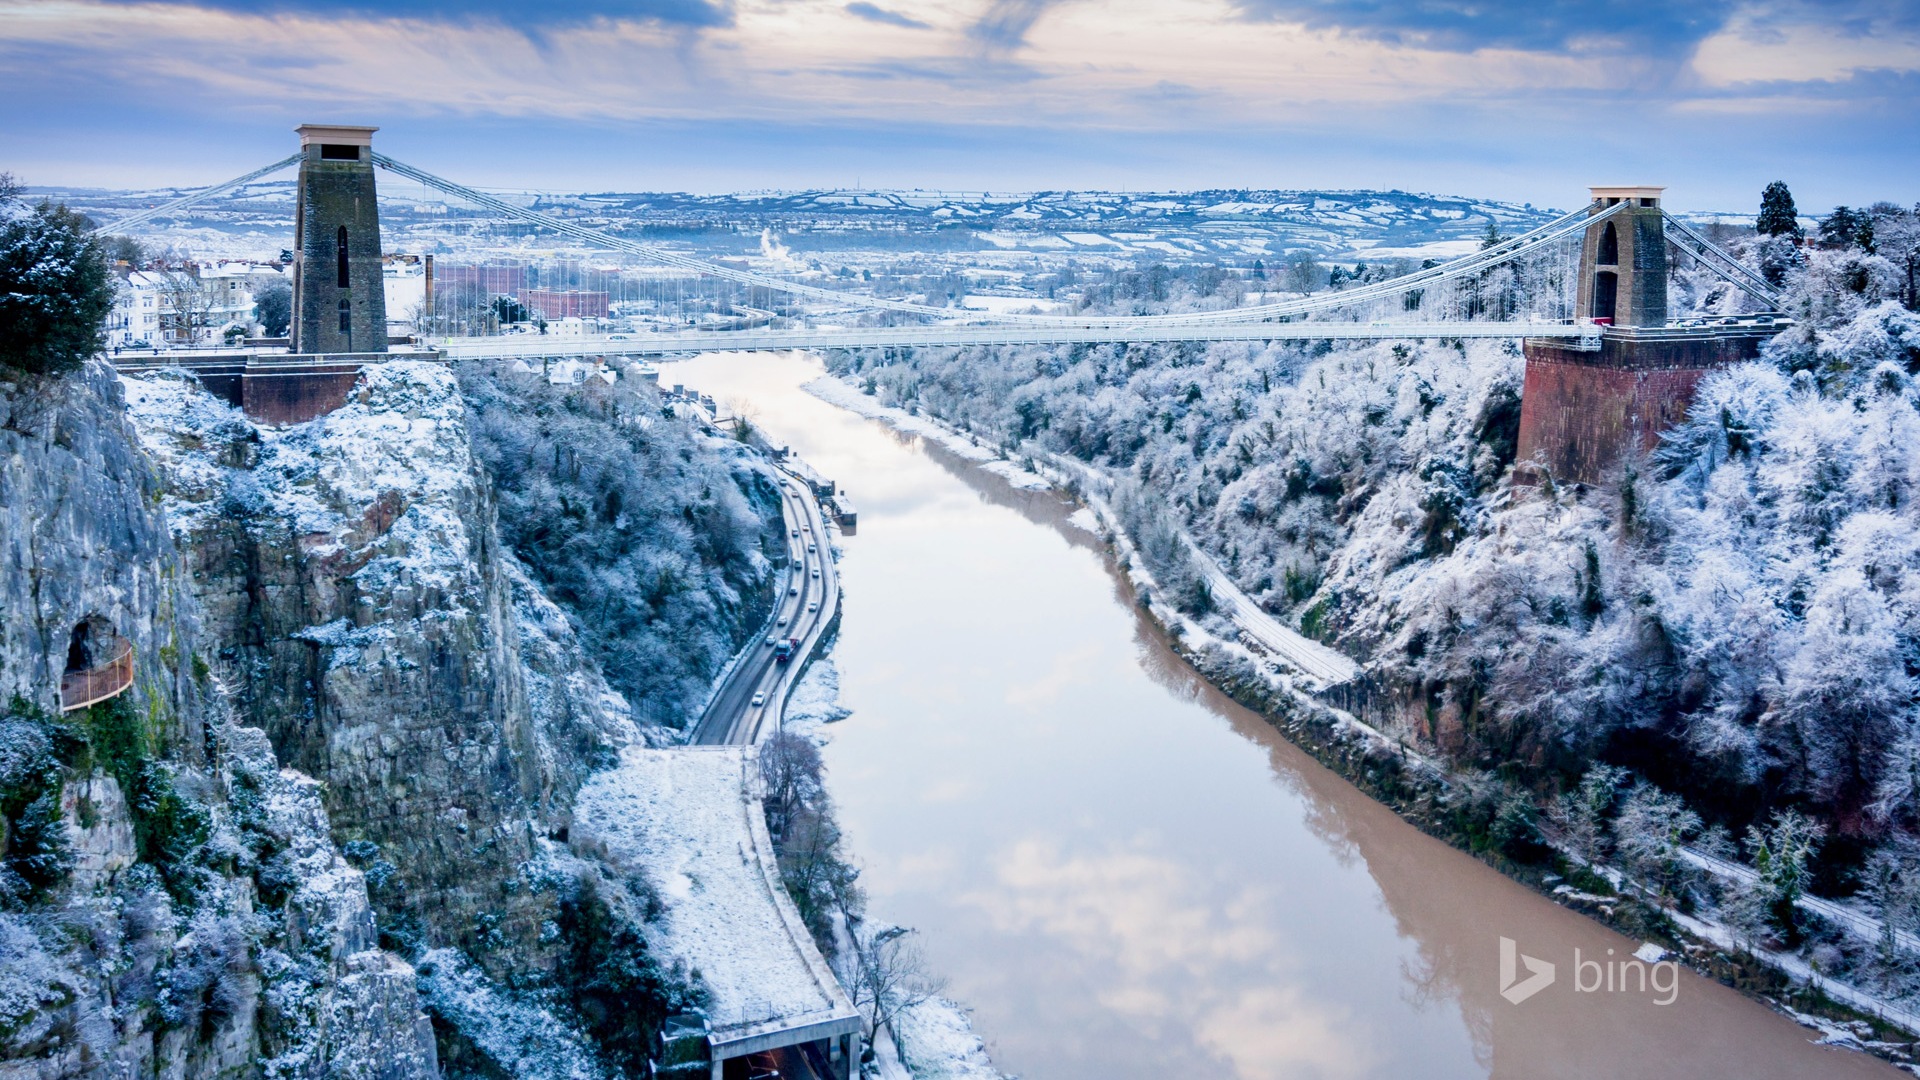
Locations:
{"points": [[813, 605], [816, 571], [793, 590], [759, 699], [810, 547], [783, 620], [796, 532], [773, 641]]}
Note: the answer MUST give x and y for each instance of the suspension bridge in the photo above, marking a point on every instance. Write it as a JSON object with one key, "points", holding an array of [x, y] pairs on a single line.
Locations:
{"points": [[952, 326], [1638, 363]]}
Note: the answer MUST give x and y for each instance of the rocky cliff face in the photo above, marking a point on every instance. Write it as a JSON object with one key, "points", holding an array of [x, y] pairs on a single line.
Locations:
{"points": [[355, 735], [373, 625], [172, 902], [377, 632]]}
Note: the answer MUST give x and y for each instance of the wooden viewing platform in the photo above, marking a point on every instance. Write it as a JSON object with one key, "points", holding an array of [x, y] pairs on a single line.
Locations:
{"points": [[89, 686]]}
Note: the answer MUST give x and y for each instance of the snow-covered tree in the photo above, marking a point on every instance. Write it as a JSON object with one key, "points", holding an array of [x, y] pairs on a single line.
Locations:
{"points": [[55, 289], [1778, 217]]}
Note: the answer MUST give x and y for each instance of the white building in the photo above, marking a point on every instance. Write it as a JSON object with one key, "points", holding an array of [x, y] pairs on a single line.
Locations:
{"points": [[137, 302], [229, 298], [405, 281]]}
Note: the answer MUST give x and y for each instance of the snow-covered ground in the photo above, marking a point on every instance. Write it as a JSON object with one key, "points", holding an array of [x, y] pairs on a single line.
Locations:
{"points": [[941, 1044], [690, 820], [815, 701]]}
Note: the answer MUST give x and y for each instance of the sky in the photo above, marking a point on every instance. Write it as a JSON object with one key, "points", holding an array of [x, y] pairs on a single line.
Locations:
{"points": [[1525, 100]]}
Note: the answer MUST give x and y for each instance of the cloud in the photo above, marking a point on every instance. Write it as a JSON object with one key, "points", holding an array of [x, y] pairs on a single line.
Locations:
{"points": [[528, 15], [1139, 92], [1469, 25], [1801, 46], [1004, 26], [873, 13]]}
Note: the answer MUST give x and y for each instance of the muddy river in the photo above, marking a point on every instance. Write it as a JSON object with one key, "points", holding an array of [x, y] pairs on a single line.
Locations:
{"points": [[1125, 874]]}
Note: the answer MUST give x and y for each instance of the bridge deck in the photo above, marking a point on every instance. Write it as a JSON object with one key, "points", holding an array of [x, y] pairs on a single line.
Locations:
{"points": [[836, 337]]}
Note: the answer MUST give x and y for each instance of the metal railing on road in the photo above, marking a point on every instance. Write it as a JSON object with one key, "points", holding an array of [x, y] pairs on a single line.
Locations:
{"points": [[881, 337]]}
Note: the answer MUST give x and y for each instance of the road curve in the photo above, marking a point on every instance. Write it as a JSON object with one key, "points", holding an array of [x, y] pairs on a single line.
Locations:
{"points": [[731, 717]]}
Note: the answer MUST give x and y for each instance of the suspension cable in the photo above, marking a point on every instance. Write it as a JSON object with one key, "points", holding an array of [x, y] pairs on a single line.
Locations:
{"points": [[1722, 262], [701, 266], [184, 201], [1501, 252]]}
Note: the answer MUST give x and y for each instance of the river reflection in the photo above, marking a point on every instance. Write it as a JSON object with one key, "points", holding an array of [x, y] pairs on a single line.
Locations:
{"points": [[1124, 873]]}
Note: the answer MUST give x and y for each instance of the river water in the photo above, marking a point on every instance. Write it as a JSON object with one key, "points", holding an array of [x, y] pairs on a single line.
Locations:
{"points": [[1126, 875]]}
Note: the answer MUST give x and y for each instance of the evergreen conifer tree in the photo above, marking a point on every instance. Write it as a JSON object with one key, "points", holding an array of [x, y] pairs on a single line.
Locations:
{"points": [[1777, 214], [55, 289]]}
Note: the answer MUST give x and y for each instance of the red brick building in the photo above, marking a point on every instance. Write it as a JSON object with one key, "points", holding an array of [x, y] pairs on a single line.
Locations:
{"points": [[502, 279], [564, 304]]}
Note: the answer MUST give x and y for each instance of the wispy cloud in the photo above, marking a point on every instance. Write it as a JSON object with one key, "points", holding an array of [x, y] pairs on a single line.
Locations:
{"points": [[1004, 25], [1469, 25], [1166, 84], [874, 13], [523, 14]]}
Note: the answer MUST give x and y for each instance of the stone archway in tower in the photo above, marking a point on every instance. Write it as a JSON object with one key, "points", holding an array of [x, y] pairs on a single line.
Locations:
{"points": [[1606, 294], [1609, 254]]}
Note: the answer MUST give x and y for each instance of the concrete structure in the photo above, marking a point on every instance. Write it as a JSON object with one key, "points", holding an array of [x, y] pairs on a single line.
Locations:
{"points": [[339, 301], [1588, 403], [1582, 410], [271, 386]]}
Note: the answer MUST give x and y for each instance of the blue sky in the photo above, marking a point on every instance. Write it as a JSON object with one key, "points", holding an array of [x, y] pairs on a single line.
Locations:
{"points": [[1529, 101]]}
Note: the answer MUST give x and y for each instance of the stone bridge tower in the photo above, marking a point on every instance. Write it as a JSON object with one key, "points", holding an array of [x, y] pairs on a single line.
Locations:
{"points": [[1583, 409], [339, 296], [1623, 263]]}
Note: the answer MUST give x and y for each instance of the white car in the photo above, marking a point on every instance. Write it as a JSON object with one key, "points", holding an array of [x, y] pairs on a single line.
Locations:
{"points": [[816, 571], [772, 641], [810, 547], [813, 605], [759, 699], [783, 621]]}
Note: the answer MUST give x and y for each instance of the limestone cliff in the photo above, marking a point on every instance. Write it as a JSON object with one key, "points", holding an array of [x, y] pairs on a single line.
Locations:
{"points": [[171, 900], [373, 625]]}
